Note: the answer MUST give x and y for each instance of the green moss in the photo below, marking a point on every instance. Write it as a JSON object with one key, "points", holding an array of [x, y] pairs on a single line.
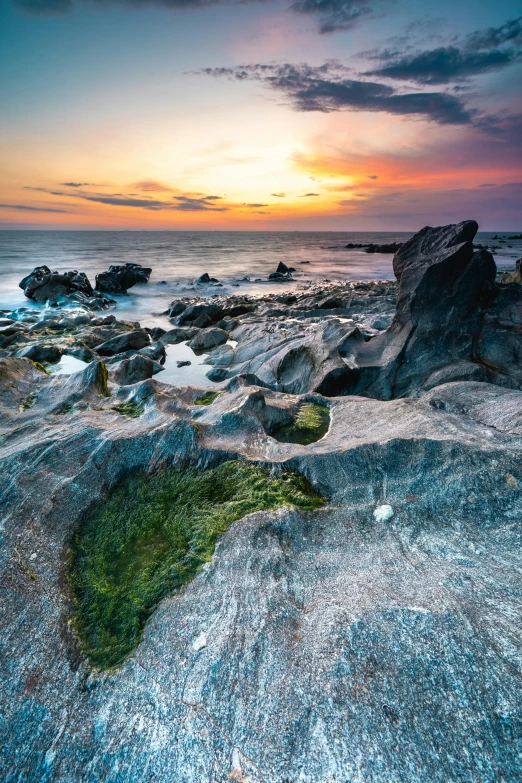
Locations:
{"points": [[151, 536], [131, 409], [29, 402], [66, 408], [208, 399], [102, 377], [39, 366], [310, 424]]}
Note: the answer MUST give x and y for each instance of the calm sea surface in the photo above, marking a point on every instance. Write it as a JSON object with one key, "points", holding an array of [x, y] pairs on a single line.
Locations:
{"points": [[177, 257]]}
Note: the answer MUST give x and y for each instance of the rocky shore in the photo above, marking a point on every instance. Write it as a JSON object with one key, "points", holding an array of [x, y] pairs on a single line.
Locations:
{"points": [[357, 465]]}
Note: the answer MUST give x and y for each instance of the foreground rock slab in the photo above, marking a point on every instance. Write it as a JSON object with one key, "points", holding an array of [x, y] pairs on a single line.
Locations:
{"points": [[340, 643]]}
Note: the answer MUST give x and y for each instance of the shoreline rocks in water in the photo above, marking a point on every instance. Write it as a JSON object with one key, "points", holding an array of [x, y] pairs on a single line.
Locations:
{"points": [[118, 279], [372, 248], [368, 627]]}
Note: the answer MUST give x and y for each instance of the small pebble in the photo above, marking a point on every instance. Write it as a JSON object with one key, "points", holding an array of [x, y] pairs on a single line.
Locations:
{"points": [[383, 513], [200, 642]]}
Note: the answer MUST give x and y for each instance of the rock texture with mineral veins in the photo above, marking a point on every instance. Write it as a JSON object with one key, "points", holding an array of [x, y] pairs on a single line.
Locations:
{"points": [[376, 638]]}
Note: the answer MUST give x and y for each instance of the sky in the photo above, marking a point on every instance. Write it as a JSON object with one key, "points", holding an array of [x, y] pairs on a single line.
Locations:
{"points": [[338, 115]]}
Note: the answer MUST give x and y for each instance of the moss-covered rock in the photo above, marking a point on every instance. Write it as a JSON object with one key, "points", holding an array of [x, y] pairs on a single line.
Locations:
{"points": [[151, 536]]}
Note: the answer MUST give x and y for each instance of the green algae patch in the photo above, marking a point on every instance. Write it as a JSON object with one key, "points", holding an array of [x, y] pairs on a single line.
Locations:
{"points": [[151, 536], [131, 409], [310, 424], [208, 399]]}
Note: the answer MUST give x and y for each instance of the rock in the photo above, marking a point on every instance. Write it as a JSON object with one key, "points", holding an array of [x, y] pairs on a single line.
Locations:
{"points": [[155, 351], [346, 636], [208, 338], [515, 276], [283, 269], [133, 370], [383, 513], [515, 236], [179, 335], [393, 247], [183, 363], [41, 353], [176, 308], [202, 321], [124, 342], [445, 287], [429, 242], [118, 279], [190, 313], [42, 285], [157, 332], [205, 278]]}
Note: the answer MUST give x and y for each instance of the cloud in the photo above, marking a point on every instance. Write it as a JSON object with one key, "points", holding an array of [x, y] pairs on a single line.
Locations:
{"points": [[329, 88], [189, 204], [150, 185], [373, 176], [183, 203], [24, 208], [75, 184], [333, 14], [307, 195], [278, 195], [477, 53], [255, 206]]}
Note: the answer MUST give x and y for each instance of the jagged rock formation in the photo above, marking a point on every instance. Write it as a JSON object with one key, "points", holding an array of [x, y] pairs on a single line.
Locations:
{"points": [[118, 279], [43, 286]]}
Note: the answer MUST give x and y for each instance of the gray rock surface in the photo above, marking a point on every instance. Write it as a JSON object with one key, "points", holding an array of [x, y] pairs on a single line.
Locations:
{"points": [[127, 341], [329, 644]]}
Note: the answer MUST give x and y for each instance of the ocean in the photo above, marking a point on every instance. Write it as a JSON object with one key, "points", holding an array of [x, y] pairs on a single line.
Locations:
{"points": [[177, 257]]}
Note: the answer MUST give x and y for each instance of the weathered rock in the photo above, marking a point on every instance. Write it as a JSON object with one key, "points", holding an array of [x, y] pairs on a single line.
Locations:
{"points": [[118, 279], [445, 287], [41, 353], [193, 311], [205, 278], [208, 338], [129, 371], [179, 335], [42, 285], [347, 633], [124, 342], [515, 276]]}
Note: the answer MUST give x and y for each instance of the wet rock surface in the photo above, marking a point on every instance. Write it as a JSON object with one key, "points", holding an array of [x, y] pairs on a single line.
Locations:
{"points": [[375, 639], [119, 278]]}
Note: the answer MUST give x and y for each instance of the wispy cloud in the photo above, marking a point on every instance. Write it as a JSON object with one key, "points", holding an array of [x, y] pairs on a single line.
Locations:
{"points": [[179, 203], [479, 52], [152, 185], [331, 15], [25, 208], [330, 87]]}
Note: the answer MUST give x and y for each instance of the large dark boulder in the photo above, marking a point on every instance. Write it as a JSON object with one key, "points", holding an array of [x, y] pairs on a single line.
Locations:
{"points": [[118, 279], [127, 341], [42, 285], [445, 286]]}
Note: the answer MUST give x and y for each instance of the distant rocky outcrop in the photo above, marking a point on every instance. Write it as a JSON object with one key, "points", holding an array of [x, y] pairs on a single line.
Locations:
{"points": [[393, 247], [283, 272], [118, 279]]}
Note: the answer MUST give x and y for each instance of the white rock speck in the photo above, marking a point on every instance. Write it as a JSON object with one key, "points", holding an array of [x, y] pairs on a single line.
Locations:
{"points": [[383, 513], [200, 642]]}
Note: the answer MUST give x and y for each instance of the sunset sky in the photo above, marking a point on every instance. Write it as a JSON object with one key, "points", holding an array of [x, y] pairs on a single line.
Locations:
{"points": [[312, 114]]}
